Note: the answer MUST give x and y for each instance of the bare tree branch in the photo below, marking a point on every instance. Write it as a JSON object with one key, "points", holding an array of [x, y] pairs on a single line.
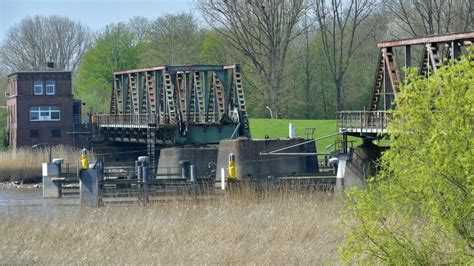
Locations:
{"points": [[429, 17], [38, 40], [341, 24], [262, 31]]}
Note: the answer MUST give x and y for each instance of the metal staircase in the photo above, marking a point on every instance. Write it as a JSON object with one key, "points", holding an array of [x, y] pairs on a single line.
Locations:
{"points": [[113, 100], [151, 143]]}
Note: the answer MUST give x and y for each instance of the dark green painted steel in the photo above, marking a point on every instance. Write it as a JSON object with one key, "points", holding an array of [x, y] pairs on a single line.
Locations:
{"points": [[198, 101]]}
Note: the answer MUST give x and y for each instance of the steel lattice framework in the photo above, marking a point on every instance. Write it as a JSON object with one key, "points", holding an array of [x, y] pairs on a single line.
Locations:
{"points": [[175, 105], [177, 95], [436, 51]]}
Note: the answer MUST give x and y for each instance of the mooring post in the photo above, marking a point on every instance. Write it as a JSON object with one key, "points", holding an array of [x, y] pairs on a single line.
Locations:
{"points": [[193, 179], [140, 172], [145, 174], [90, 194], [222, 178]]}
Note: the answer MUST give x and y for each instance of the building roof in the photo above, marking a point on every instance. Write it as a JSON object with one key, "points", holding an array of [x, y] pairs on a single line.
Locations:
{"points": [[40, 69]]}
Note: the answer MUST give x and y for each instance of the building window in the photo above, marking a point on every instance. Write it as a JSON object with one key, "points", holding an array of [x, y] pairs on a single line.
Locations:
{"points": [[34, 133], [38, 88], [56, 133], [50, 90], [45, 113]]}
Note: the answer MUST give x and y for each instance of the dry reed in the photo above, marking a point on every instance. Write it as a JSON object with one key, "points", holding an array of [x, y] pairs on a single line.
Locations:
{"points": [[26, 163], [276, 228]]}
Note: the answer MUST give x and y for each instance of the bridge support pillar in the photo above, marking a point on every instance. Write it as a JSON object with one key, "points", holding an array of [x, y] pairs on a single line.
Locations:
{"points": [[90, 193], [362, 163]]}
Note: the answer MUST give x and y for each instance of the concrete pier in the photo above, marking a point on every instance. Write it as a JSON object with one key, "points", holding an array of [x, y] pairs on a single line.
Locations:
{"points": [[51, 179], [249, 164], [169, 164], [361, 163]]}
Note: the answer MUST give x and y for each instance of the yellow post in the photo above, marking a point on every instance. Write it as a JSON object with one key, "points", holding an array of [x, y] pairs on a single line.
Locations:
{"points": [[231, 166], [84, 159]]}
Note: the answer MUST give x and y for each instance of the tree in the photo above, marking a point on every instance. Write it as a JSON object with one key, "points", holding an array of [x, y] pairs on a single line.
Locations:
{"points": [[216, 49], [141, 27], [262, 31], [415, 18], [418, 209], [115, 49], [344, 28], [38, 40], [174, 40]]}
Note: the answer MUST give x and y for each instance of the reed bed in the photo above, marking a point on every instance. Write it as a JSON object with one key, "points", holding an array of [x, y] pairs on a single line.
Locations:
{"points": [[269, 228], [25, 163]]}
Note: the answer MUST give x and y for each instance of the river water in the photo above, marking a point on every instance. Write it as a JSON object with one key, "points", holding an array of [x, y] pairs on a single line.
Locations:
{"points": [[21, 201]]}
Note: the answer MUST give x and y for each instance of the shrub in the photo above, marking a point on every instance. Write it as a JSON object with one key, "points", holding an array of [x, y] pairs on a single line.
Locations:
{"points": [[419, 208]]}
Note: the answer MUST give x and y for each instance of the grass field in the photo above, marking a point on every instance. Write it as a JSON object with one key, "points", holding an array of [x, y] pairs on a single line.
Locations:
{"points": [[271, 229], [278, 128]]}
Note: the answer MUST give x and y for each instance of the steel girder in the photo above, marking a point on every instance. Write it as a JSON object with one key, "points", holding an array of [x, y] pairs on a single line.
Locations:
{"points": [[437, 51], [182, 95]]}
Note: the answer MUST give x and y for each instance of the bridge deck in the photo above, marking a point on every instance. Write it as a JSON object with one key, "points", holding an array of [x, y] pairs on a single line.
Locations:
{"points": [[363, 123]]}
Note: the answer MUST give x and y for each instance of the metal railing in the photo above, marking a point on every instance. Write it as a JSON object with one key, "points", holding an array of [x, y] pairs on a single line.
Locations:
{"points": [[131, 120], [363, 121]]}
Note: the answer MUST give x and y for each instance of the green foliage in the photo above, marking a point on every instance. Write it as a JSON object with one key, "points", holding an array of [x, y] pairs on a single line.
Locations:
{"points": [[418, 210], [115, 49], [215, 49], [175, 39]]}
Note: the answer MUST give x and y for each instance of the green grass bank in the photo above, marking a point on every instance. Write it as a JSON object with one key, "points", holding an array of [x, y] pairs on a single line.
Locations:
{"points": [[278, 128]]}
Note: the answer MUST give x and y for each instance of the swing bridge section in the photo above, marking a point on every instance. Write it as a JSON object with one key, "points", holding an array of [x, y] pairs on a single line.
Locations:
{"points": [[436, 51], [175, 105]]}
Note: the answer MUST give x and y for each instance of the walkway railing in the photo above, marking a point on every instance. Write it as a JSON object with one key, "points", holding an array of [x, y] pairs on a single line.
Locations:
{"points": [[127, 120], [373, 122]]}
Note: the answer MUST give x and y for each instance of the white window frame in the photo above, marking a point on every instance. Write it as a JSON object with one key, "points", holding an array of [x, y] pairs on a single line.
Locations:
{"points": [[38, 84], [50, 83], [45, 113]]}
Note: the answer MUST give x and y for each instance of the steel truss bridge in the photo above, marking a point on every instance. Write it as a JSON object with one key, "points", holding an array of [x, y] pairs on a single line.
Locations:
{"points": [[175, 105], [436, 51]]}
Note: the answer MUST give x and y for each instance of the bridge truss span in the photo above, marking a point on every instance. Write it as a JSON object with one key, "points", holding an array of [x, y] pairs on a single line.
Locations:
{"points": [[436, 51], [176, 105]]}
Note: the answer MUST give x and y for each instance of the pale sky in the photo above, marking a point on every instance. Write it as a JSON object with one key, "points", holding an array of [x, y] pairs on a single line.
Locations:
{"points": [[93, 13]]}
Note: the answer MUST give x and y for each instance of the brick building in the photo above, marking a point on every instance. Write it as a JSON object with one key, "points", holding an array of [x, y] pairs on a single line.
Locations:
{"points": [[41, 107]]}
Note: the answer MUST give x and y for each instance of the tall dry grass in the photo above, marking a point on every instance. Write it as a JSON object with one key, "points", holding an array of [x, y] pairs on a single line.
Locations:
{"points": [[278, 228], [25, 163]]}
